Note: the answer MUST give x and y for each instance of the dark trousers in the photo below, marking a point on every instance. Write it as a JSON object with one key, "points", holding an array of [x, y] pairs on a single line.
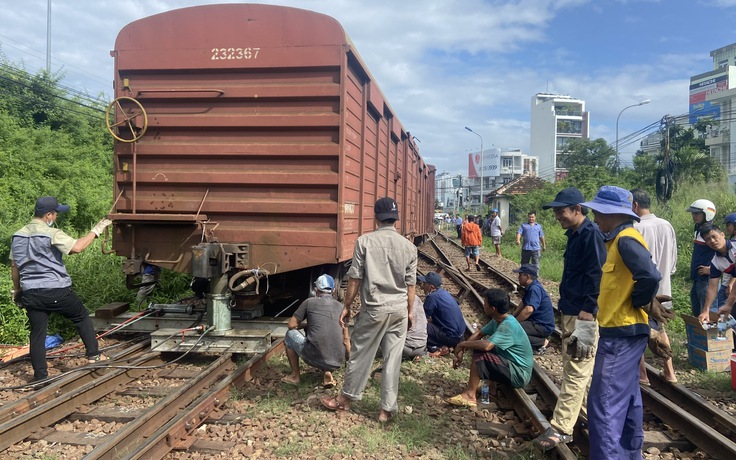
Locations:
{"points": [[535, 333], [530, 256], [39, 304], [459, 229], [436, 338], [615, 410], [697, 295]]}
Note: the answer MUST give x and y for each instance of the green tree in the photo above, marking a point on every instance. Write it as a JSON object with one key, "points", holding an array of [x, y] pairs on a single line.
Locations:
{"points": [[585, 152], [690, 157]]}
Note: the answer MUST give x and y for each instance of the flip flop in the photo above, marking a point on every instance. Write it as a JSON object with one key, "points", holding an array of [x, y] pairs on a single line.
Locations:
{"points": [[288, 382], [645, 383], [547, 441], [674, 380], [459, 401], [385, 419], [332, 404]]}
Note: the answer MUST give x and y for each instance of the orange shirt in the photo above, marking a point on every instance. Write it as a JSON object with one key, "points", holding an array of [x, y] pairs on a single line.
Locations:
{"points": [[471, 235]]}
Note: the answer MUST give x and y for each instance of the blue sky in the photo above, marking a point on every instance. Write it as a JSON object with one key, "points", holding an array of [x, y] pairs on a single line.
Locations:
{"points": [[447, 64]]}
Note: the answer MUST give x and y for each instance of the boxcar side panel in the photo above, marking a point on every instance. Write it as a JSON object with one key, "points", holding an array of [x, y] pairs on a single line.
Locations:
{"points": [[269, 133]]}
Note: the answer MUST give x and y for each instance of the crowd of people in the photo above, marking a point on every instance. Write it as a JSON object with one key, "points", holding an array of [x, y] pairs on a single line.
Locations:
{"points": [[613, 300]]}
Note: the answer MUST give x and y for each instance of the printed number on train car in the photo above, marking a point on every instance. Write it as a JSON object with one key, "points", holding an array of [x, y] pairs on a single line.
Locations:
{"points": [[235, 53]]}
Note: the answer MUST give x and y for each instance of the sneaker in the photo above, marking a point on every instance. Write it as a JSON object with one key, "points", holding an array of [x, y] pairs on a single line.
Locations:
{"points": [[540, 351], [97, 358]]}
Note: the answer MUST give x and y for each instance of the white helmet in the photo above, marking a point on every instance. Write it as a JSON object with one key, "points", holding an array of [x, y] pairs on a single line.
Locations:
{"points": [[704, 206]]}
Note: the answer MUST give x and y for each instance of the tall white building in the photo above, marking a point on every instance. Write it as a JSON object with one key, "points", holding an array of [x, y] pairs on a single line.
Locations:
{"points": [[555, 121], [713, 94]]}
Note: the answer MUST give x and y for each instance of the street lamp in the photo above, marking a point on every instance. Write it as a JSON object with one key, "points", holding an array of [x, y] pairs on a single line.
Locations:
{"points": [[645, 101], [481, 167]]}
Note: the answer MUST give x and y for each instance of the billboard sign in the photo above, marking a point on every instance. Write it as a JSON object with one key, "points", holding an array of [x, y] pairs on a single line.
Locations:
{"points": [[491, 163], [699, 107]]}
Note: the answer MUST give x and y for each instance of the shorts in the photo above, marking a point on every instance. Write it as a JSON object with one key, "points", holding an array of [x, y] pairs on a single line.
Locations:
{"points": [[496, 239], [295, 340], [493, 367], [472, 251]]}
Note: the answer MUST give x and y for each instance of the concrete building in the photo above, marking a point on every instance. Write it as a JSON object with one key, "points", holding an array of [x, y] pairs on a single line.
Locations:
{"points": [[500, 166], [555, 121], [455, 193], [713, 94]]}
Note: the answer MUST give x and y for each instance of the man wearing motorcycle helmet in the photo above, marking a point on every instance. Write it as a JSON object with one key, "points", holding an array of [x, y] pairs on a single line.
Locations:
{"points": [[703, 211]]}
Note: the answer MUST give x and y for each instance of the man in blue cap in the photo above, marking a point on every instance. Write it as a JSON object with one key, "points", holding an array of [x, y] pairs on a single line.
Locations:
{"points": [[628, 285], [535, 312], [445, 322], [41, 283], [322, 347]]}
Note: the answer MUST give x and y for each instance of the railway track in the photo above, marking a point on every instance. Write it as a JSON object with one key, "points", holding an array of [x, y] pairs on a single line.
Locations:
{"points": [[701, 424], [140, 404]]}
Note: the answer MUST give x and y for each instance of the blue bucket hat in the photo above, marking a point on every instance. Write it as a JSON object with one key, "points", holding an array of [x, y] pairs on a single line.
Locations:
{"points": [[612, 200]]}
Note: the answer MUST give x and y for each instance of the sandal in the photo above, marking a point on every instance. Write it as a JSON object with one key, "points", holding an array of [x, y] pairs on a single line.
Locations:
{"points": [[384, 416], [97, 358], [459, 401], [646, 383], [332, 404], [551, 438], [672, 380]]}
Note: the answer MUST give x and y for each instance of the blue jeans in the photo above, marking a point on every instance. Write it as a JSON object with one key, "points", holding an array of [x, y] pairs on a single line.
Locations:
{"points": [[295, 340], [697, 295]]}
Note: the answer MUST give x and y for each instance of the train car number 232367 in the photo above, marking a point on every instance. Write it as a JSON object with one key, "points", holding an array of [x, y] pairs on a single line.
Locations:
{"points": [[234, 53]]}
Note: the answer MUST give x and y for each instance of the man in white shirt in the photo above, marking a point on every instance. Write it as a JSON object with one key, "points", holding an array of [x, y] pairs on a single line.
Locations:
{"points": [[662, 242], [496, 231]]}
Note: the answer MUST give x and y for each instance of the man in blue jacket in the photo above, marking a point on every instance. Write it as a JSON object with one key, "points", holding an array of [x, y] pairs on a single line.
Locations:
{"points": [[535, 312], [445, 322]]}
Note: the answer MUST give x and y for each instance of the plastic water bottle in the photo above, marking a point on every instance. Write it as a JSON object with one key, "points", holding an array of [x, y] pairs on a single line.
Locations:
{"points": [[485, 393], [731, 322], [722, 327]]}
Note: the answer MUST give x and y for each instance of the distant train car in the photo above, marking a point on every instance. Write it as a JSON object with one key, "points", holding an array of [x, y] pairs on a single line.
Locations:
{"points": [[252, 139]]}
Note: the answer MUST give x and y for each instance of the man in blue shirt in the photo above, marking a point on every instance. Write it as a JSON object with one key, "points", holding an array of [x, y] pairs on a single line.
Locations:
{"points": [[535, 312], [532, 234], [445, 322]]}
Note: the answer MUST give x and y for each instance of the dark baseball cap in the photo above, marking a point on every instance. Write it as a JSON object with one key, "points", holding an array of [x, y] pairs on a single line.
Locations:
{"points": [[527, 269], [49, 204], [567, 197], [386, 209], [432, 278]]}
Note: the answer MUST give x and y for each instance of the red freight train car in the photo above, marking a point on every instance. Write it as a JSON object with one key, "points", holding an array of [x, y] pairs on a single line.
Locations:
{"points": [[253, 136]]}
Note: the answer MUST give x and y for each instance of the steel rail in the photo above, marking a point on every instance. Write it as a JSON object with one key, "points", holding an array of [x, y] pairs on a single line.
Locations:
{"points": [[62, 386], [51, 411], [178, 432], [524, 406], [135, 433], [698, 432], [723, 422]]}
